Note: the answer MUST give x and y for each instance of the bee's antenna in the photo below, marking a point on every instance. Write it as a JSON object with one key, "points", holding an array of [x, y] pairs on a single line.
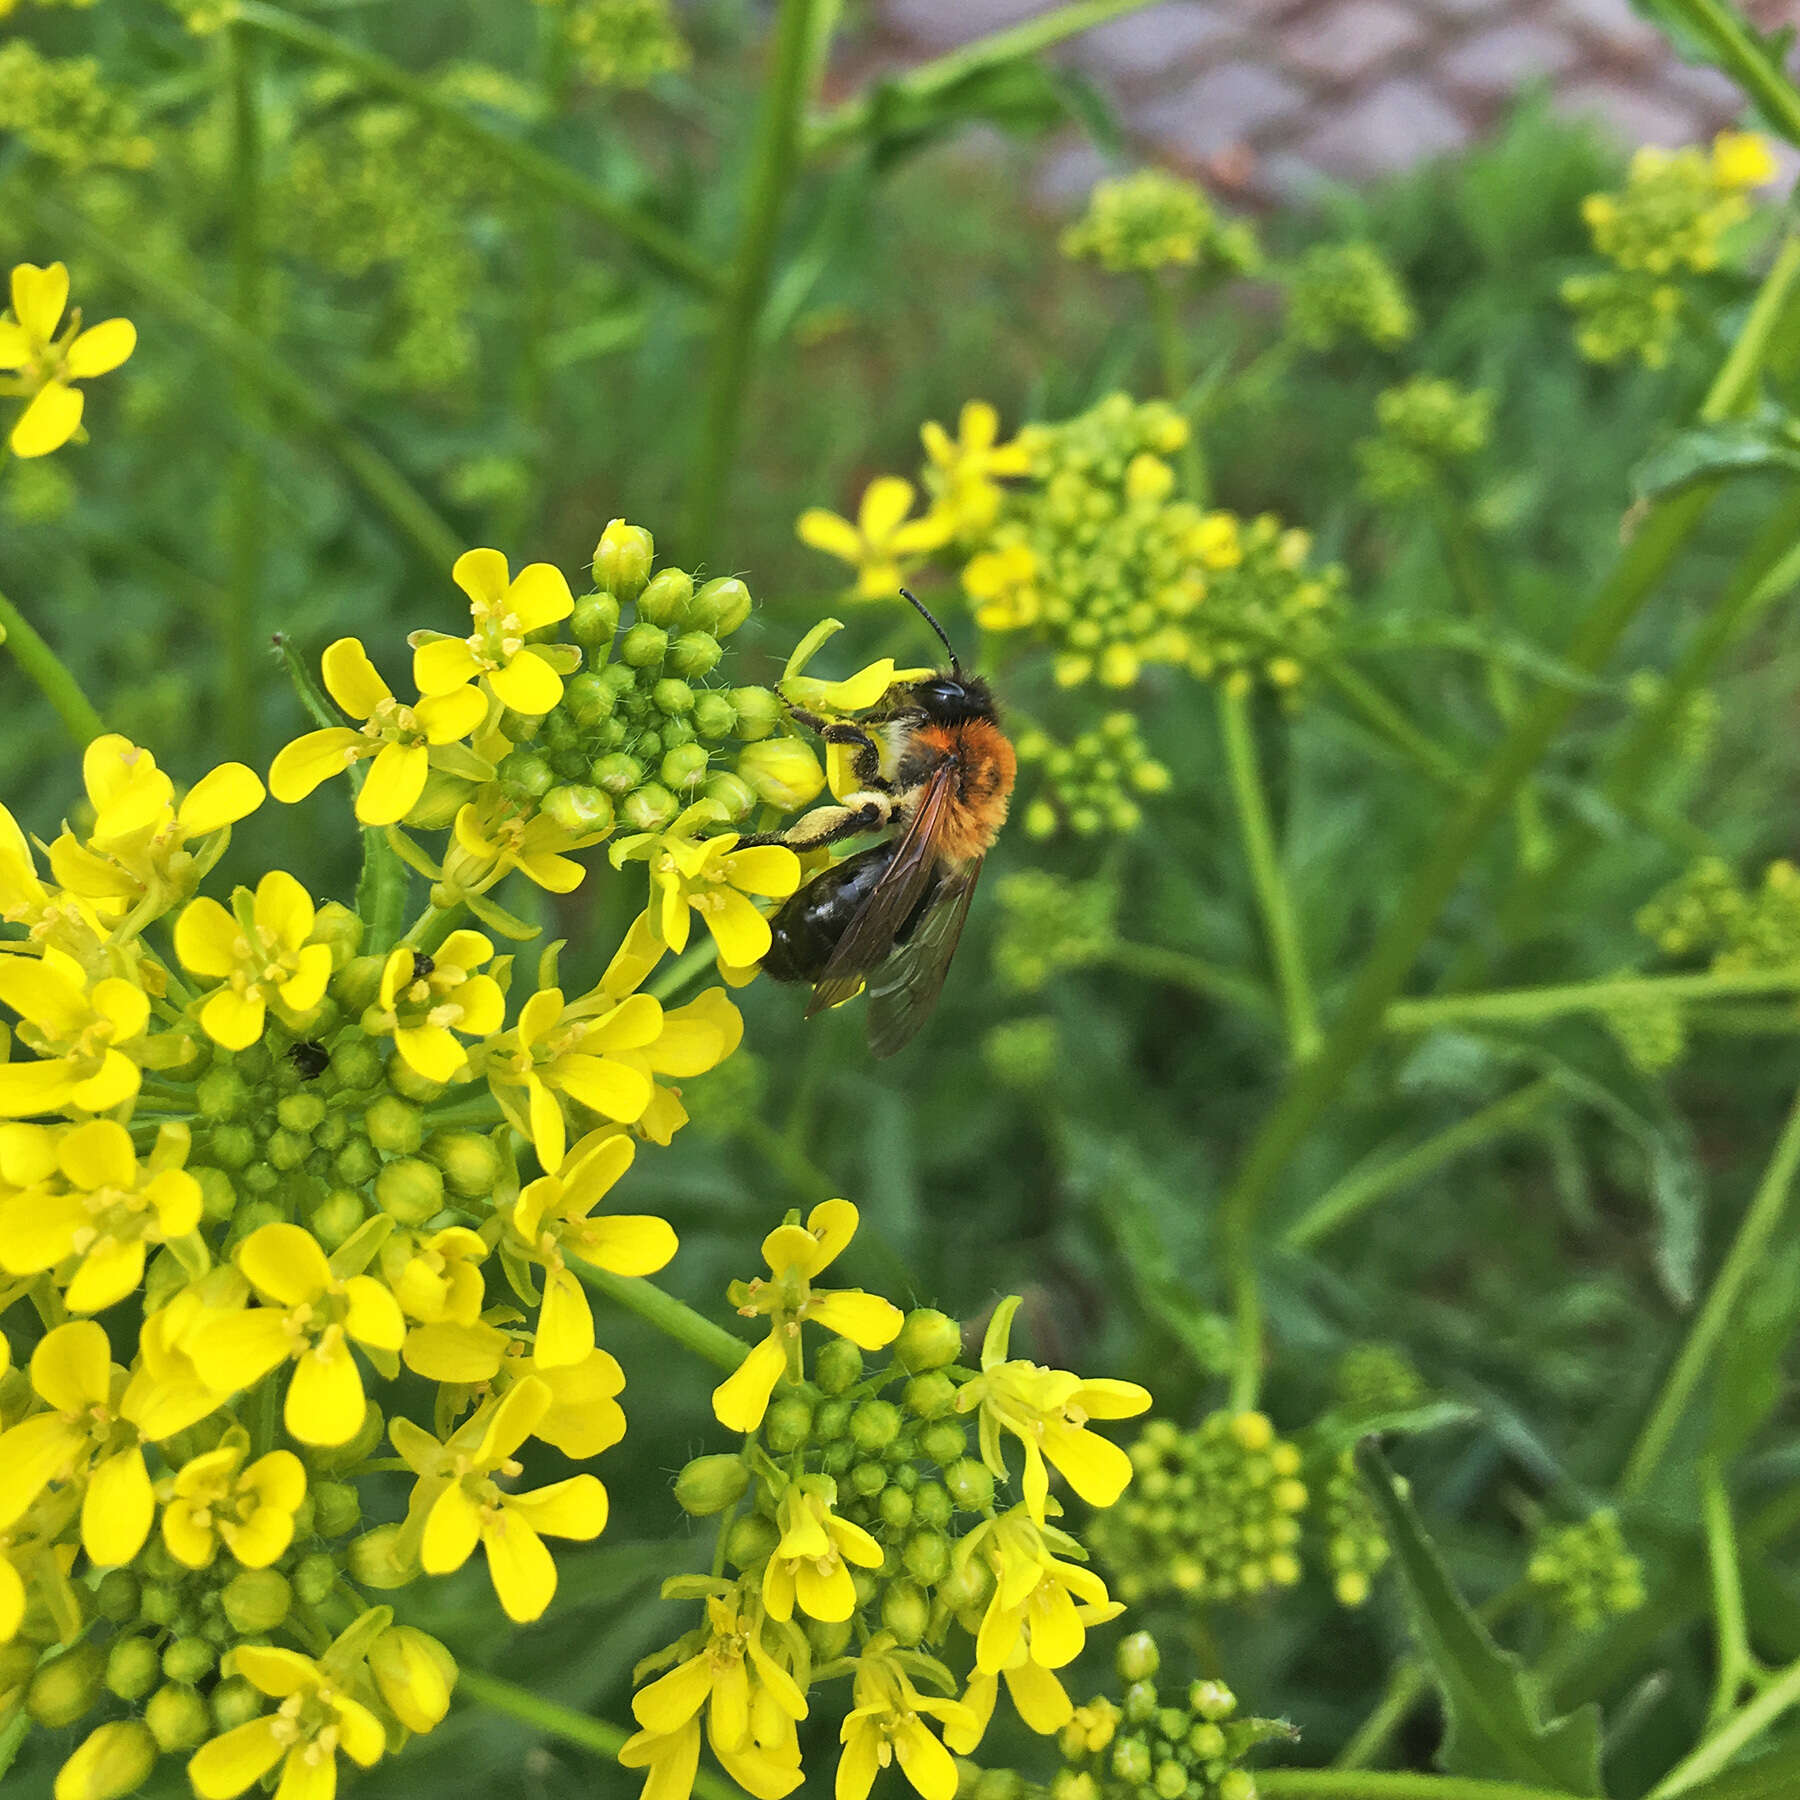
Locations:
{"points": [[908, 595]]}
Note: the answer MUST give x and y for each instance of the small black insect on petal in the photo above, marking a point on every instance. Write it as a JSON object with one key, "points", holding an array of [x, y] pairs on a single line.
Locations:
{"points": [[310, 1057]]}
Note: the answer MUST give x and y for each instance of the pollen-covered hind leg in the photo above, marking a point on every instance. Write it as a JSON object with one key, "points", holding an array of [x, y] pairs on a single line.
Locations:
{"points": [[828, 824]]}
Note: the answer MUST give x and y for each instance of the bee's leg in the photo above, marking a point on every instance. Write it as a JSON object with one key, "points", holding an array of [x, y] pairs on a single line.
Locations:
{"points": [[867, 811], [865, 765]]}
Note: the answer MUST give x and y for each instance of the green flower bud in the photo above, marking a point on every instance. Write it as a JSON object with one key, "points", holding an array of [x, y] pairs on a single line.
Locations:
{"points": [[721, 606], [838, 1366], [234, 1702], [286, 1149], [968, 1587], [469, 1161], [617, 773], [944, 1442], [592, 625], [684, 768], [623, 559], [1141, 1702], [874, 1425], [906, 1612], [867, 1479], [827, 1640], [410, 1191], [231, 1146], [526, 772], [132, 1667], [372, 1560], [1137, 1658], [694, 654], [1237, 1784], [356, 1063], [1212, 1700], [783, 771], [222, 1093], [190, 1659], [588, 698], [750, 1542], [709, 1484], [113, 1760], [930, 1396], [578, 808], [650, 809], [731, 792], [1207, 1742], [257, 1600], [895, 1507], [759, 711], [970, 1485], [218, 1198], [672, 696], [394, 1125], [356, 1163], [1170, 1780], [666, 598], [1131, 1761], [116, 1595], [926, 1554], [643, 646], [178, 1719], [714, 715], [337, 925], [647, 745], [928, 1340], [787, 1424], [931, 1504], [158, 1604], [301, 1113], [67, 1688], [336, 1508]]}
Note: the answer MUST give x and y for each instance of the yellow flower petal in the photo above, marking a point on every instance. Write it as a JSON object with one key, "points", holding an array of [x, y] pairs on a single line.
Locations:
{"points": [[118, 1509], [226, 1766], [38, 298], [12, 1601], [71, 1368], [825, 531], [527, 684], [48, 422], [740, 1400], [432, 1051], [441, 665], [481, 574], [284, 907], [885, 502], [521, 1569], [221, 797], [352, 679], [741, 933], [452, 1530], [447, 717], [395, 781], [866, 1320], [565, 1332], [299, 767], [100, 349], [613, 1089], [373, 1315], [285, 1264], [539, 596], [628, 1244], [576, 1508], [325, 1403], [233, 1020], [831, 1225], [925, 1762], [237, 1349]]}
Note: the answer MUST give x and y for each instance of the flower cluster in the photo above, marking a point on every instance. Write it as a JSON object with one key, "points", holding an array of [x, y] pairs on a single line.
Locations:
{"points": [[1215, 1513], [1585, 1573], [61, 108], [1343, 292], [1355, 1546], [1086, 786], [42, 358], [864, 1540], [1673, 218], [1374, 1378], [1154, 220], [1708, 911], [1151, 1745], [1693, 726], [1427, 425], [621, 43], [1074, 535], [1049, 924]]}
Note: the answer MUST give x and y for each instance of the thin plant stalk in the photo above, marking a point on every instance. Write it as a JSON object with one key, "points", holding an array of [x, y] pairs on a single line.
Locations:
{"points": [[1387, 721], [1384, 1784], [1525, 1006], [1735, 52], [49, 674], [1153, 962], [1737, 1668], [1743, 1727], [241, 666], [673, 1318], [1768, 1207], [1172, 360], [1641, 564], [773, 165]]}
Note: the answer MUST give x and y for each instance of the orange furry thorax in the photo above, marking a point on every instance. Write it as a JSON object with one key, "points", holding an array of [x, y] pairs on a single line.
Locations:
{"points": [[977, 810]]}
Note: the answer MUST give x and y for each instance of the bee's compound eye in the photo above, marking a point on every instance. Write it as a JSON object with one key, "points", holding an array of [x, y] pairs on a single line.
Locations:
{"points": [[943, 692]]}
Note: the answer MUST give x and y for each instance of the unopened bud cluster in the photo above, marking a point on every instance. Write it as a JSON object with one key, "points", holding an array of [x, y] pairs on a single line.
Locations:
{"points": [[1355, 1546], [621, 43], [1049, 924], [1344, 292], [1586, 1573], [1708, 911], [1088, 786], [1154, 220], [1375, 1378], [1426, 426]]}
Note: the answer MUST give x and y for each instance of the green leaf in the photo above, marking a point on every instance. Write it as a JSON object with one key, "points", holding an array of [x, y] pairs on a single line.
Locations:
{"points": [[12, 1740], [1496, 1728], [1336, 1432], [1775, 1776], [1768, 439], [1023, 96]]}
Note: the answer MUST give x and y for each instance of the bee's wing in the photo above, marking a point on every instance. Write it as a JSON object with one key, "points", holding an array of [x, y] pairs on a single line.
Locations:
{"points": [[905, 988], [870, 936]]}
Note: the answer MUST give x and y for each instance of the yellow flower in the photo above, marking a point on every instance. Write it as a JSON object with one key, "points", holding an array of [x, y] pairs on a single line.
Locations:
{"points": [[1214, 541], [587, 1051], [414, 1674], [495, 835], [426, 999], [712, 877], [138, 853], [855, 693], [79, 1030], [551, 1221], [886, 1726], [213, 1497], [83, 1199], [1742, 159], [457, 1504], [315, 1720], [525, 676], [400, 738], [259, 951], [883, 545], [1048, 1410], [1039, 1602], [807, 1565], [795, 1255], [1003, 584], [87, 1436], [44, 366], [752, 1706], [308, 1317], [970, 467]]}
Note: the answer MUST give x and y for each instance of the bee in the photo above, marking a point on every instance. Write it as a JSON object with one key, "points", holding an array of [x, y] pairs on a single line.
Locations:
{"points": [[934, 771]]}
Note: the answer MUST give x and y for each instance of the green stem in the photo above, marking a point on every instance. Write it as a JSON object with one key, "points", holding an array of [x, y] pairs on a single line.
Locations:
{"points": [[241, 667], [1742, 58], [712, 1343], [855, 118], [564, 1722], [1767, 1208], [1529, 1005], [292, 392], [659, 246], [810, 1183], [1152, 962], [432, 926], [1361, 1189], [1640, 566], [1740, 1729], [1171, 354], [1736, 1666], [771, 174], [1272, 898], [685, 968], [1381, 1784], [1387, 721], [50, 674]]}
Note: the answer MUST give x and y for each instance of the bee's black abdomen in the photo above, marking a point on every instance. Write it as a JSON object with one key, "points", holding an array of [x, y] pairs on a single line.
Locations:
{"points": [[807, 928]]}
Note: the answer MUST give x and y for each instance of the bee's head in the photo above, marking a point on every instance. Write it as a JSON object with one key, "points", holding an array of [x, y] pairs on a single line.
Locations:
{"points": [[954, 699]]}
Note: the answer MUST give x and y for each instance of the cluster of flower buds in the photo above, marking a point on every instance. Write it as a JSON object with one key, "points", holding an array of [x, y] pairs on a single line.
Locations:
{"points": [[1087, 786], [621, 43], [1426, 426], [1355, 1546], [1049, 924], [1708, 911], [63, 109], [1153, 1745], [1154, 220], [1586, 1573], [1374, 1378], [865, 1539], [1339, 293]]}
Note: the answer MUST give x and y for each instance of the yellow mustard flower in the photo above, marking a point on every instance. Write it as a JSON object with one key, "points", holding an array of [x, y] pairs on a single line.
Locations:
{"points": [[457, 1504], [214, 1498], [1047, 1410], [712, 877], [883, 546], [400, 738], [83, 1199], [807, 1566], [426, 999], [586, 1050], [1742, 159], [751, 1701], [438, 1281], [796, 1254], [494, 836], [88, 1436], [854, 693], [507, 608], [1041, 1601], [551, 1221], [315, 1720], [970, 466], [1003, 583], [887, 1725], [694, 1038], [114, 1758], [259, 952], [414, 1674], [37, 362], [308, 1317], [79, 1029], [584, 1416]]}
